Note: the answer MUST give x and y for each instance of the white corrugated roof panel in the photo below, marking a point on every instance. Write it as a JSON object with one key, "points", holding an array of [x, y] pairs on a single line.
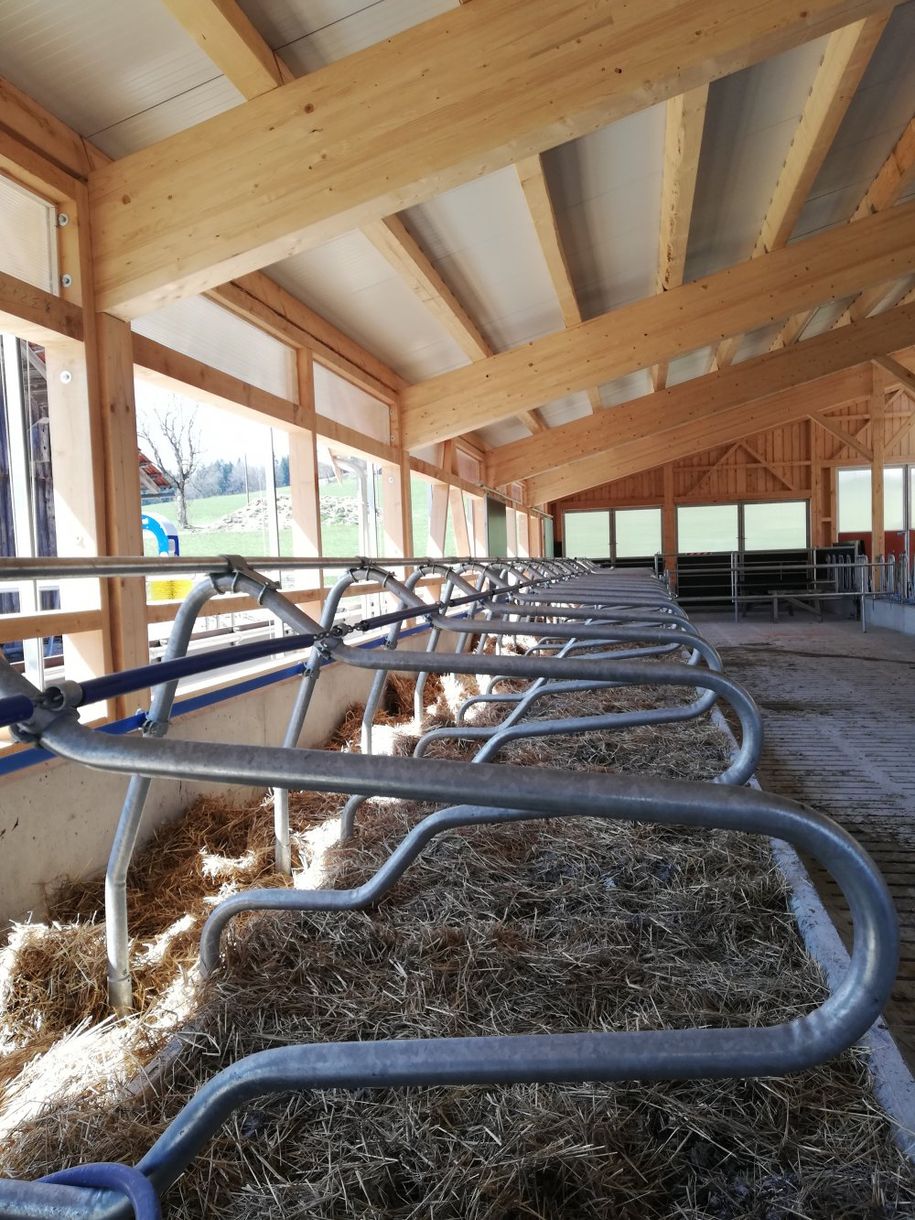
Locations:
{"points": [[564, 410], [99, 62], [606, 190], [757, 342], [633, 385], [883, 104], [750, 121], [504, 432], [205, 331], [352, 285], [311, 33], [483, 242], [691, 364]]}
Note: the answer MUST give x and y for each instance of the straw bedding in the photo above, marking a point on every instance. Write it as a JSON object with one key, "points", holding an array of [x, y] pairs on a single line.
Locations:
{"points": [[553, 925]]}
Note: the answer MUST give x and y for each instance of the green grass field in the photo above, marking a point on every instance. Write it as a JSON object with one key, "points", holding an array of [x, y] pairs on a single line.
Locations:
{"points": [[338, 538]]}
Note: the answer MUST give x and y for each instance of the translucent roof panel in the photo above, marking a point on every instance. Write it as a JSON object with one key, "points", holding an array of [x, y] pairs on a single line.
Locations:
{"points": [[348, 282], [883, 104], [100, 62], [750, 122], [564, 410], [606, 189], [482, 240]]}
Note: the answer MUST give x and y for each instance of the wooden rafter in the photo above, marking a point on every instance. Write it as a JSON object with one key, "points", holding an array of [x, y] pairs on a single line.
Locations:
{"points": [[362, 138], [223, 31], [733, 387], [684, 123], [893, 177], [540, 205], [847, 54], [660, 327]]}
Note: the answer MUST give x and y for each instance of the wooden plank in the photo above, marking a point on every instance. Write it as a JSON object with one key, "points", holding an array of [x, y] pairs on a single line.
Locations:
{"points": [[892, 179], [32, 314], [224, 33], [658, 328], [751, 379], [260, 300], [47, 623], [848, 52], [836, 430], [684, 123], [177, 372], [451, 99], [632, 454], [353, 441]]}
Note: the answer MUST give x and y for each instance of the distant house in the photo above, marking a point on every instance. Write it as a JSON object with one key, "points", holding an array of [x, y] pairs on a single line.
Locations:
{"points": [[155, 485]]}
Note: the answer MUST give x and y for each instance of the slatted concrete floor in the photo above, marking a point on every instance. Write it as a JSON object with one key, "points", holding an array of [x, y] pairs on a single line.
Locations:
{"points": [[839, 714]]}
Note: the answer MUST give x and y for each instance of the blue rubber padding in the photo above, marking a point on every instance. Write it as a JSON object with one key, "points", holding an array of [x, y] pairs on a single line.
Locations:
{"points": [[14, 709], [109, 1175], [192, 703], [97, 690]]}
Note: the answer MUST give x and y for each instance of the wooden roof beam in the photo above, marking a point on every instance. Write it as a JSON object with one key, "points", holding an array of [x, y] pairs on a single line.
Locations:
{"points": [[225, 34], [223, 31], [848, 52], [685, 121], [705, 430], [760, 377], [893, 178], [456, 97], [635, 336], [536, 190]]}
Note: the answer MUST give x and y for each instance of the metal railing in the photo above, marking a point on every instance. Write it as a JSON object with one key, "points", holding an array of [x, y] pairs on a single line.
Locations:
{"points": [[635, 635]]}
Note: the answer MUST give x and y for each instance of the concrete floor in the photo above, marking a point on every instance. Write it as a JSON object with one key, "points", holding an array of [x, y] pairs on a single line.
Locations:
{"points": [[839, 715]]}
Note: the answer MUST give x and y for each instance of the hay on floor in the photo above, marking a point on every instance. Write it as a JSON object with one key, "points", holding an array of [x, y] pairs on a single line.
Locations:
{"points": [[546, 926]]}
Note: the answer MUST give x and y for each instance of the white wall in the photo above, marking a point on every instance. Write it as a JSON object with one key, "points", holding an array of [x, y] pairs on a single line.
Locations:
{"points": [[58, 818]]}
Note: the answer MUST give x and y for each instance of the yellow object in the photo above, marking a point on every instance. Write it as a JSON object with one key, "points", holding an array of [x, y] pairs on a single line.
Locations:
{"points": [[169, 590]]}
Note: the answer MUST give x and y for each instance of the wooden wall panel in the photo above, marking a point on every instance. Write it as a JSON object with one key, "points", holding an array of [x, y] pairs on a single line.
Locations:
{"points": [[795, 461]]}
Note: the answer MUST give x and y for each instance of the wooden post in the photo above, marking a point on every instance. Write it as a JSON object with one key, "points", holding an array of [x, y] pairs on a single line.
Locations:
{"points": [[480, 542], [77, 459], [129, 637], [669, 520], [817, 502], [459, 521], [878, 447], [304, 493]]}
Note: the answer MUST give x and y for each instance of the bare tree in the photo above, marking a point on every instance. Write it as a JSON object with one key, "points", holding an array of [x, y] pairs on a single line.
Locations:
{"points": [[178, 454]]}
